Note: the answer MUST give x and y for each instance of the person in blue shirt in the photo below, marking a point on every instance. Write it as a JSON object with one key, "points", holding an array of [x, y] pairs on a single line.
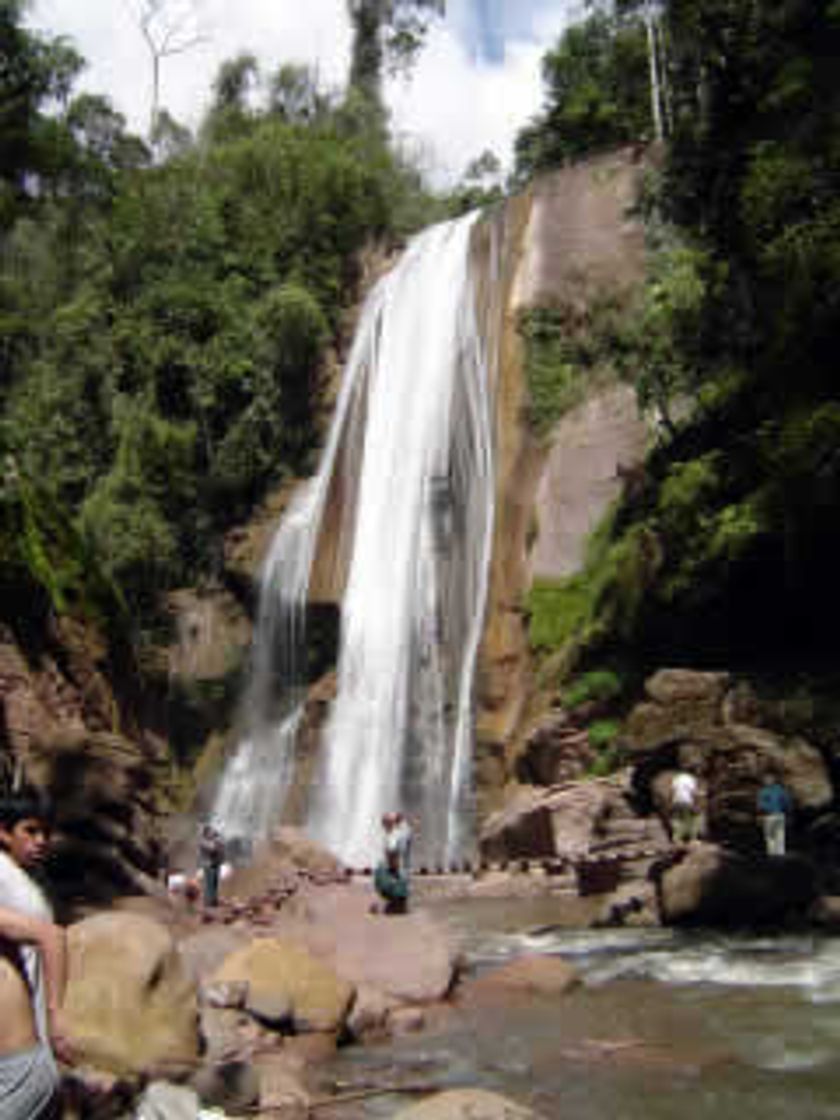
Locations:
{"points": [[774, 807]]}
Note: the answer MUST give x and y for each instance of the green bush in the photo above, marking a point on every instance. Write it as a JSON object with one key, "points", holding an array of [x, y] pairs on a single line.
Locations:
{"points": [[607, 762], [597, 685], [603, 733]]}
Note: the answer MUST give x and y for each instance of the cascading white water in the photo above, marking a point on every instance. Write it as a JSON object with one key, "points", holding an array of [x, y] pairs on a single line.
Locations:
{"points": [[410, 448]]}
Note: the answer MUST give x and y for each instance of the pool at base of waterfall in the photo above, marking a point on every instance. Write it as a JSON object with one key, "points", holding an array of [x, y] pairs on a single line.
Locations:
{"points": [[665, 1025]]}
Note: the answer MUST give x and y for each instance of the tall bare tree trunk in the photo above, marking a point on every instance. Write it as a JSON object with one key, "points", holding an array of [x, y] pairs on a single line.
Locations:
{"points": [[655, 83]]}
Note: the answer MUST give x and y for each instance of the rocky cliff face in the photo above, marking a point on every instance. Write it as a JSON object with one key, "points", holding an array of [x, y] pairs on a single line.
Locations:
{"points": [[569, 245]]}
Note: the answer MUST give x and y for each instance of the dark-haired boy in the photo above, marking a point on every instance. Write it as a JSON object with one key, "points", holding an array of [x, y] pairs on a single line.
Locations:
{"points": [[32, 969]]}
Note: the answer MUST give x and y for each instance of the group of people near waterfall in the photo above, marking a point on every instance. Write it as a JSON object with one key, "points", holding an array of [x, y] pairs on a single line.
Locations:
{"points": [[33, 953], [774, 806]]}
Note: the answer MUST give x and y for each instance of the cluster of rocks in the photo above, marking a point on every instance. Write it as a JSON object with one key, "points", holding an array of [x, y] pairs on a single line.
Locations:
{"points": [[720, 729], [173, 1016]]}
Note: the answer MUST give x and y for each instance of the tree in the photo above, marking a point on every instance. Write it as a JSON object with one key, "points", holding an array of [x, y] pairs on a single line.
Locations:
{"points": [[386, 33], [168, 29], [35, 70], [480, 184], [294, 95], [170, 138], [597, 81]]}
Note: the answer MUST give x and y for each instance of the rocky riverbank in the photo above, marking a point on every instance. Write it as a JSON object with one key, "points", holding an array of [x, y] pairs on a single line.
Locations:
{"points": [[177, 1012]]}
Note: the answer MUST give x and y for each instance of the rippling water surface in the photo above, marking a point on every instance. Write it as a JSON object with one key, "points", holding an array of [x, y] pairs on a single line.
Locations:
{"points": [[666, 1025]]}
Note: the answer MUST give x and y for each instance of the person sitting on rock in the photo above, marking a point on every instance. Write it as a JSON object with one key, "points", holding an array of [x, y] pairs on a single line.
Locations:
{"points": [[774, 806], [389, 880], [32, 969], [685, 807]]}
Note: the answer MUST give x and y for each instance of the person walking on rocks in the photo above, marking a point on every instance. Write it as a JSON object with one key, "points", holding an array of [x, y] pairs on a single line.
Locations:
{"points": [[211, 855], [33, 970], [685, 807], [774, 807]]}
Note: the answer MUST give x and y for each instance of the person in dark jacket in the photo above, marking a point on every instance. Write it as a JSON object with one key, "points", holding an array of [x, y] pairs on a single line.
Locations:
{"points": [[211, 855]]}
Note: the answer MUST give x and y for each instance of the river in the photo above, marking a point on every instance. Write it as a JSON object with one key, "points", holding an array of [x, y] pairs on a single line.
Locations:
{"points": [[666, 1025]]}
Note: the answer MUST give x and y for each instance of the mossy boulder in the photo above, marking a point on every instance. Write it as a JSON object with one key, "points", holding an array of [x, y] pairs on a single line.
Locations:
{"points": [[284, 981]]}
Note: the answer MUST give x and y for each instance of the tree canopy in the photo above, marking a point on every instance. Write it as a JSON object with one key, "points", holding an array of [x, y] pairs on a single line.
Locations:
{"points": [[167, 323]]}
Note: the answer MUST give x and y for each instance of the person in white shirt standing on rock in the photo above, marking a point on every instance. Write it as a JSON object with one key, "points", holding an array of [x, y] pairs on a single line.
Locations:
{"points": [[32, 970], [685, 807]]}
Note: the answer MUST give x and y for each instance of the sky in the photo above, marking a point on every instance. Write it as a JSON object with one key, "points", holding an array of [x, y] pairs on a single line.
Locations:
{"points": [[475, 85]]}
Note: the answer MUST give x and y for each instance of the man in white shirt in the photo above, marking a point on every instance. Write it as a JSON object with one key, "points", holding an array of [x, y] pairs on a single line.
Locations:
{"points": [[399, 840], [685, 807], [32, 970]]}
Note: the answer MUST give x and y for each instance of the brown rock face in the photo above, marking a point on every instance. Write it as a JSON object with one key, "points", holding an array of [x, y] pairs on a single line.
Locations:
{"points": [[554, 752], [670, 686], [129, 1004], [589, 453], [566, 245], [575, 819]]}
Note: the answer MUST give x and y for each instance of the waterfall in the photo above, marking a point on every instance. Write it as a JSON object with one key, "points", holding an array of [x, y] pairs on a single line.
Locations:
{"points": [[410, 456]]}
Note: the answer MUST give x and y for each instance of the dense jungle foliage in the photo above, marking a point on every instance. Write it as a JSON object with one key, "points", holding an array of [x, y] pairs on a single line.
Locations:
{"points": [[168, 307], [726, 545]]}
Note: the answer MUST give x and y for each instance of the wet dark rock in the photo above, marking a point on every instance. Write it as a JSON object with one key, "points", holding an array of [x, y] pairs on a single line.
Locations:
{"points": [[706, 885]]}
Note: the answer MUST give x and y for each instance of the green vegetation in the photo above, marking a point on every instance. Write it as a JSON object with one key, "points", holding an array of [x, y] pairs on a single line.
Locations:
{"points": [[169, 310], [167, 317], [596, 93], [567, 355], [599, 685], [725, 546]]}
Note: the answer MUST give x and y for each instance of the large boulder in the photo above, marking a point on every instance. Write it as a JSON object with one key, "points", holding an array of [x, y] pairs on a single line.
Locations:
{"points": [[407, 958], [673, 686], [680, 703], [285, 982], [530, 975], [130, 1006], [711, 886], [569, 820], [467, 1104]]}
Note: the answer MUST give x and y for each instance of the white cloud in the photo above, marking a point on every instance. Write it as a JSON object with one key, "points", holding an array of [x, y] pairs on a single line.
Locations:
{"points": [[458, 105], [314, 32], [454, 107]]}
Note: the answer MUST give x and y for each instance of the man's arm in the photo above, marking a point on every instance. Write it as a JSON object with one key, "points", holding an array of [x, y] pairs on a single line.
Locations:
{"points": [[50, 939]]}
